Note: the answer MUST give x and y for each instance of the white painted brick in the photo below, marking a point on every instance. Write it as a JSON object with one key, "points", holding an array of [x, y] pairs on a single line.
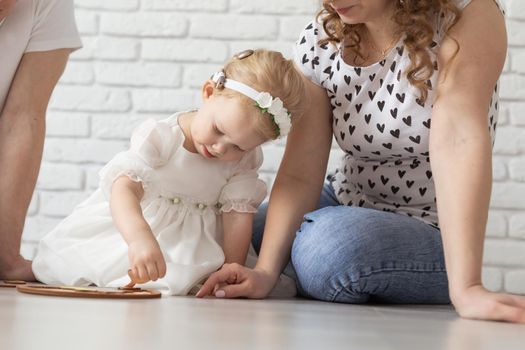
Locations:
{"points": [[194, 50], [82, 151], [28, 250], [509, 141], [517, 169], [517, 226], [512, 85], [78, 73], [504, 252], [234, 27], [139, 74], [60, 204], [67, 124], [92, 177], [55, 176], [185, 5], [111, 48], [515, 9], [492, 278], [508, 195], [118, 126], [277, 7], [291, 27], [515, 30], [518, 61], [272, 157], [496, 225], [143, 24], [517, 113], [499, 169], [286, 48], [36, 227], [196, 74], [87, 51], [93, 98], [164, 101], [121, 5], [33, 205], [87, 22], [515, 282], [503, 114]]}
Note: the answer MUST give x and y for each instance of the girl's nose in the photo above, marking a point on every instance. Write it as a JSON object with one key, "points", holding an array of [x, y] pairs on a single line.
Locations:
{"points": [[219, 148]]}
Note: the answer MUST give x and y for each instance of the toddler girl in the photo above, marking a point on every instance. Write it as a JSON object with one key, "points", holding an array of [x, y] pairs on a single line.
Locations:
{"points": [[180, 202]]}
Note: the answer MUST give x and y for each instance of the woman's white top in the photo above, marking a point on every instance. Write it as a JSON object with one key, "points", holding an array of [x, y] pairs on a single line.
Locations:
{"points": [[380, 123]]}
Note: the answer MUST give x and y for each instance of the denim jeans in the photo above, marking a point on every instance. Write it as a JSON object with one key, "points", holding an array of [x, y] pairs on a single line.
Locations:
{"points": [[358, 255]]}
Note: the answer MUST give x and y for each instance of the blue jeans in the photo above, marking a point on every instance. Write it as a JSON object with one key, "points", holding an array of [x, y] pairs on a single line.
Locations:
{"points": [[357, 255]]}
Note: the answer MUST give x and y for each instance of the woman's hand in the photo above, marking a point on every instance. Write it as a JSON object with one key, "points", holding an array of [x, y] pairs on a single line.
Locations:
{"points": [[478, 303], [234, 280], [146, 261]]}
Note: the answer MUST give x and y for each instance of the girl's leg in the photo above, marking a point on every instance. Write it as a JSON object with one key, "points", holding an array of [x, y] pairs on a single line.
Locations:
{"points": [[355, 255]]}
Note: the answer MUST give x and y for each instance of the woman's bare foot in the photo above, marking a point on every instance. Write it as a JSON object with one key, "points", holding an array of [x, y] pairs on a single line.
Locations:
{"points": [[18, 269]]}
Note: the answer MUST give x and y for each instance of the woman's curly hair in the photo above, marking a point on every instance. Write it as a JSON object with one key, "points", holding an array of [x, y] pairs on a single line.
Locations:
{"points": [[416, 20]]}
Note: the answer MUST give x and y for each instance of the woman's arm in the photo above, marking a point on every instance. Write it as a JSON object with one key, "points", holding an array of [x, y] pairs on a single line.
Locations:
{"points": [[296, 191], [237, 236], [460, 151], [146, 260]]}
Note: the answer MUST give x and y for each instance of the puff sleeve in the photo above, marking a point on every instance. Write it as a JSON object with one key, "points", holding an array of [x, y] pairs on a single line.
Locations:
{"points": [[244, 191], [152, 144]]}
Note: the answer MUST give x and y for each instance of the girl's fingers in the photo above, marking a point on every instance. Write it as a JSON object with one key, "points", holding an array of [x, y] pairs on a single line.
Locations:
{"points": [[153, 274], [512, 300], [161, 268]]}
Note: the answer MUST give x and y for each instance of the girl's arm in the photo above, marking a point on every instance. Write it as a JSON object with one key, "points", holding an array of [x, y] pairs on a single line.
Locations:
{"points": [[146, 260], [237, 236], [460, 151]]}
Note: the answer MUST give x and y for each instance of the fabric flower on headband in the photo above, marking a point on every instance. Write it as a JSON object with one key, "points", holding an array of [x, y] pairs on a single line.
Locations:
{"points": [[275, 107], [264, 101]]}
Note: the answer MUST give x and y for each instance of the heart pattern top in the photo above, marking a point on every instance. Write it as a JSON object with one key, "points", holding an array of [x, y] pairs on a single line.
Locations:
{"points": [[381, 124]]}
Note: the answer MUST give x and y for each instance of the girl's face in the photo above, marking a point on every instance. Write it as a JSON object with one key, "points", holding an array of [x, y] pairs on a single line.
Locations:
{"points": [[361, 11], [224, 128]]}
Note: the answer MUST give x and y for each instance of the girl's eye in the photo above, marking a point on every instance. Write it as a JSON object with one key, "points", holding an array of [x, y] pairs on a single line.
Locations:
{"points": [[216, 130]]}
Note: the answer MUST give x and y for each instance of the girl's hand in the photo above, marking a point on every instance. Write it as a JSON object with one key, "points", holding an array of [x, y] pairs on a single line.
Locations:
{"points": [[234, 280], [478, 303], [146, 261]]}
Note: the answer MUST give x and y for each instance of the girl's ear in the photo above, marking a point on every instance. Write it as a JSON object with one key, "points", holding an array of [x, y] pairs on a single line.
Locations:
{"points": [[208, 89]]}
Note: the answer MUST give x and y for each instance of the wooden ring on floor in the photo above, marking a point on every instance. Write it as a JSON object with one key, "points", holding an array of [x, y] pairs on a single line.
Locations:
{"points": [[11, 283], [88, 292]]}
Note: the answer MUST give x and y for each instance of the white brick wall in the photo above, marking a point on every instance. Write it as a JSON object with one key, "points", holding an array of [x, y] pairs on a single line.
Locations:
{"points": [[147, 58]]}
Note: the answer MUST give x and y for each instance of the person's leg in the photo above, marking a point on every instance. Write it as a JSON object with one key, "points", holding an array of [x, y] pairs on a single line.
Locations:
{"points": [[355, 255]]}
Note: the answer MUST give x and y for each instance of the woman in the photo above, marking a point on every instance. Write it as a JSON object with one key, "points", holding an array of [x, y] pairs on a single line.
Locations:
{"points": [[36, 38], [379, 72]]}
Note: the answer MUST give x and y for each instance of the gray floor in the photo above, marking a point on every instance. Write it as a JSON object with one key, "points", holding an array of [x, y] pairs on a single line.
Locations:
{"points": [[41, 322]]}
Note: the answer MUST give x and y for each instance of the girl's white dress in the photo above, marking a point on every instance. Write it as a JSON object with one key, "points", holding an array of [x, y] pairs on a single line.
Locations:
{"points": [[184, 196]]}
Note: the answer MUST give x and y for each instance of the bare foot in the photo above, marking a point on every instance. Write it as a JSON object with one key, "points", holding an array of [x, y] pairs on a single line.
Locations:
{"points": [[19, 269]]}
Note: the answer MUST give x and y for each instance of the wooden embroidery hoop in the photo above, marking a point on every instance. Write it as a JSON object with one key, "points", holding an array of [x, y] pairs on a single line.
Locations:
{"points": [[89, 292]]}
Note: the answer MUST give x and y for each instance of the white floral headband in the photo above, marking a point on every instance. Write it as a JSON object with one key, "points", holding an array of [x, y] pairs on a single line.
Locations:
{"points": [[264, 100]]}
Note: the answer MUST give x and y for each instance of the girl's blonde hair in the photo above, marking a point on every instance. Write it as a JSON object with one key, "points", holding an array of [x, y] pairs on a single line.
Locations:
{"points": [[416, 19], [267, 71]]}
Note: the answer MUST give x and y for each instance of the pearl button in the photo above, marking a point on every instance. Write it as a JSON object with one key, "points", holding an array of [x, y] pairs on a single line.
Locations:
{"points": [[201, 206], [176, 200]]}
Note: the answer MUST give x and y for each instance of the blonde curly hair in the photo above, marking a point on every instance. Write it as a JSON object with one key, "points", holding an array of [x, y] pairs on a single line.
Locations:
{"points": [[269, 71], [415, 19]]}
